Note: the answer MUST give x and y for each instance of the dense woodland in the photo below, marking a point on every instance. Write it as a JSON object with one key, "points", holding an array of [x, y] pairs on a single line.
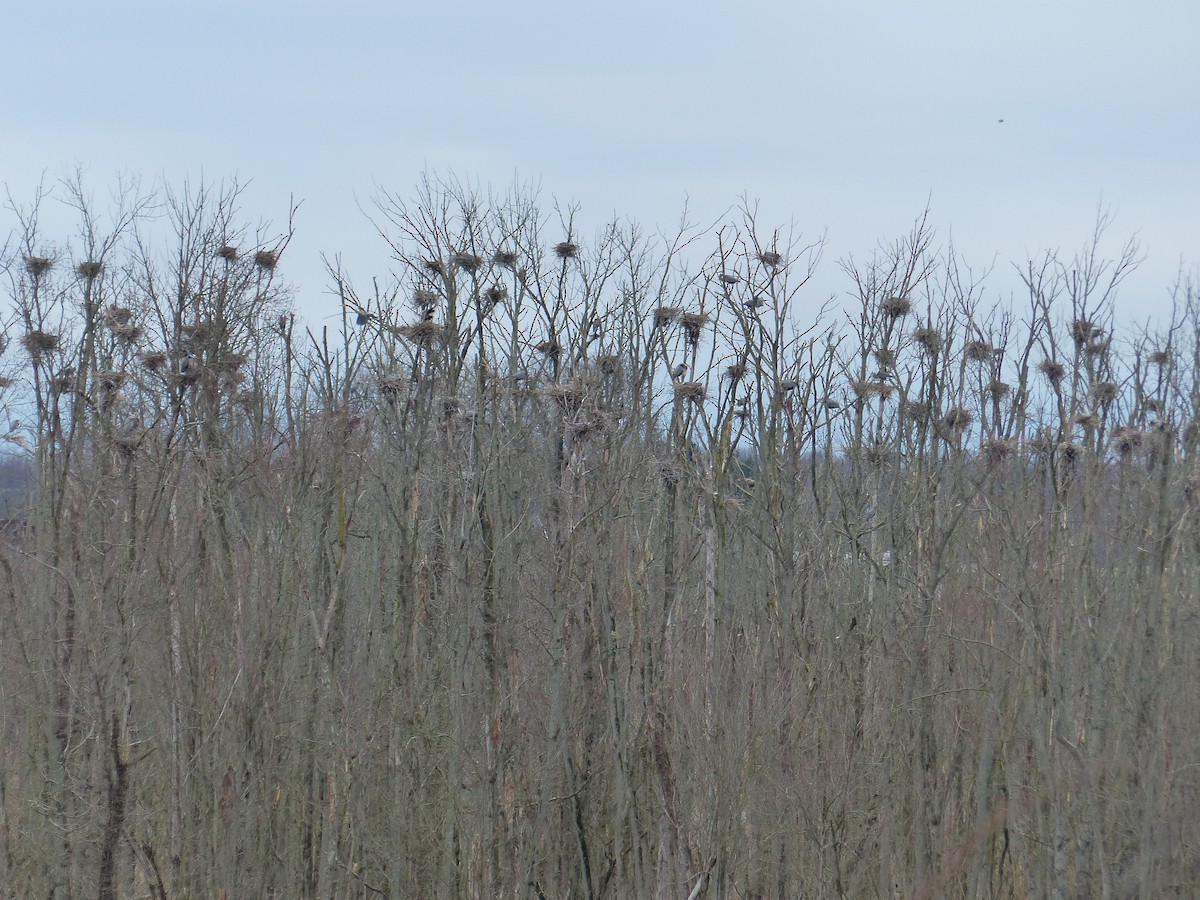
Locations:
{"points": [[580, 565]]}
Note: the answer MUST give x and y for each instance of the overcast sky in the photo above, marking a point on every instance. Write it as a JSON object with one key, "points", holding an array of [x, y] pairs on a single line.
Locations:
{"points": [[847, 116]]}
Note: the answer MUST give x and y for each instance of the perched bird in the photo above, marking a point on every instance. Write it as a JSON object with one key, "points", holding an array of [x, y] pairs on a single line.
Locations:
{"points": [[679, 371], [789, 384], [755, 302], [190, 368], [427, 315], [363, 317]]}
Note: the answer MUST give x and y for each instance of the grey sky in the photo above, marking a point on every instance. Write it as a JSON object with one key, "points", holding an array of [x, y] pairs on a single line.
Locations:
{"points": [[844, 116]]}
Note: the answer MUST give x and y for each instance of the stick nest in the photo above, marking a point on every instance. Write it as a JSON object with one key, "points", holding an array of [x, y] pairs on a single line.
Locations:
{"points": [[467, 261], [505, 258], [39, 342], [1053, 370], [665, 315], [930, 340], [425, 334], [693, 323], [896, 307], [692, 391], [38, 265]]}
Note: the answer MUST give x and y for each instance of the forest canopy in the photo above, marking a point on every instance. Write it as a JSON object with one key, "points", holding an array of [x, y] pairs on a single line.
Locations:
{"points": [[562, 564]]}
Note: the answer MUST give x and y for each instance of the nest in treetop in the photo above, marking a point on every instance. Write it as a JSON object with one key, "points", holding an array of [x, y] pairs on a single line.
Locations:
{"points": [[426, 334], [1191, 490], [586, 428], [978, 351], [266, 260], [689, 390], [110, 381], [390, 386], [1083, 331], [191, 335], [569, 396], [130, 438], [877, 455], [885, 357], [505, 258], [930, 339], [467, 261], [116, 316], [1052, 369], [1160, 357], [231, 379], [693, 323], [916, 410], [735, 372], [665, 315], [424, 298], [896, 307], [63, 382], [1069, 451], [770, 258], [231, 362], [39, 342], [495, 294], [669, 472], [549, 347], [1104, 391], [38, 265], [228, 253], [957, 418], [566, 250], [608, 363], [997, 388], [1097, 348], [997, 450], [1042, 442], [90, 270], [153, 360], [729, 278], [865, 389], [434, 266], [1126, 439]]}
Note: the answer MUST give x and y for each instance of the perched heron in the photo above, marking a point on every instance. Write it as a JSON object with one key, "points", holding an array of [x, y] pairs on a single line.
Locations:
{"points": [[679, 371]]}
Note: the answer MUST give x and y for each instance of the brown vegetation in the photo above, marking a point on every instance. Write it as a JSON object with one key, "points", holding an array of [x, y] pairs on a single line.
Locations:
{"points": [[471, 607]]}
